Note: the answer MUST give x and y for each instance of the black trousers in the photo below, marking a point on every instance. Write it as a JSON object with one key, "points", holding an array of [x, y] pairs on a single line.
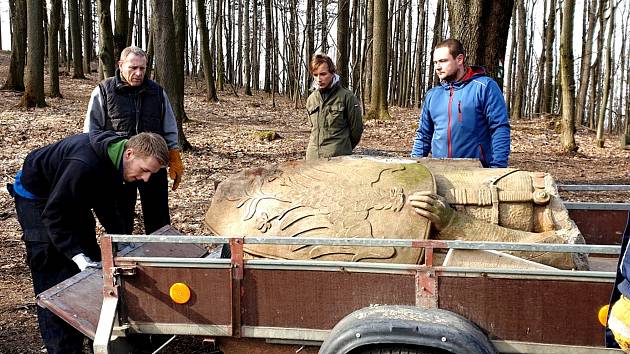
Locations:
{"points": [[49, 267], [154, 201]]}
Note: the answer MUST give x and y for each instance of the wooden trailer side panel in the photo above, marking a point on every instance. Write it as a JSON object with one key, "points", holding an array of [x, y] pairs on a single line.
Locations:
{"points": [[540, 311], [600, 227], [146, 295], [317, 299]]}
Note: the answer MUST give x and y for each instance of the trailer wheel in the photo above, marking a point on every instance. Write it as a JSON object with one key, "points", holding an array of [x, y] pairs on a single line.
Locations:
{"points": [[400, 349], [394, 329]]}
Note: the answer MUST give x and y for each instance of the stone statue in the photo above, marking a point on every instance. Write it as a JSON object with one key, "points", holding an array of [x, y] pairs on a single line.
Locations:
{"points": [[370, 197]]}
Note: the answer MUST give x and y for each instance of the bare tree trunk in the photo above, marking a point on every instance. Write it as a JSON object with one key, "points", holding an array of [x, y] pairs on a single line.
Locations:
{"points": [[53, 48], [166, 60], [246, 51], [87, 35], [239, 44], [75, 29], [547, 95], [606, 80], [483, 27], [106, 39], [140, 28], [566, 77], [324, 26], [537, 108], [378, 106], [292, 44], [368, 55], [15, 80], [437, 37], [512, 63], [219, 48], [394, 29], [130, 24], [517, 103], [595, 91], [343, 40], [356, 47], [585, 65], [407, 62], [310, 41], [211, 92], [34, 90], [63, 51], [255, 57], [120, 26], [419, 55]]}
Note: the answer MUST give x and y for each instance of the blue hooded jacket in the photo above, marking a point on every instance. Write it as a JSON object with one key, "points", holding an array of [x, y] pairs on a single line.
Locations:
{"points": [[465, 119]]}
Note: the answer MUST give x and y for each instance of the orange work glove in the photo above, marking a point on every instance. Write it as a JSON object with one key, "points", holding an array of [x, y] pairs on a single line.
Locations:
{"points": [[175, 166]]}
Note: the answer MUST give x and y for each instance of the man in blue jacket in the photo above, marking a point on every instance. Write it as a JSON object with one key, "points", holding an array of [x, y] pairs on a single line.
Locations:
{"points": [[465, 116], [55, 193]]}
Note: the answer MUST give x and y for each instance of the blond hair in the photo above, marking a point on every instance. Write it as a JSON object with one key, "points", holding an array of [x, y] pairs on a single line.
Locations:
{"points": [[149, 145]]}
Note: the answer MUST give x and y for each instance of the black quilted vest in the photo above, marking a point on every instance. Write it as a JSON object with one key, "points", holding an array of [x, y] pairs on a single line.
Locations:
{"points": [[131, 110]]}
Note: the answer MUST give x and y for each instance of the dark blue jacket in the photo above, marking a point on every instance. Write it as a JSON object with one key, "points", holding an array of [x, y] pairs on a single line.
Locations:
{"points": [[624, 263], [465, 119], [75, 176]]}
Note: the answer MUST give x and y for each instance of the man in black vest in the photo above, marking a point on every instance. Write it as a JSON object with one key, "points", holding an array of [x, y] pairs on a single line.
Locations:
{"points": [[128, 104]]}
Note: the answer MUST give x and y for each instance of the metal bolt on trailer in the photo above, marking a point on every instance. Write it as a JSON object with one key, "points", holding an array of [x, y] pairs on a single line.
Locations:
{"points": [[314, 302]]}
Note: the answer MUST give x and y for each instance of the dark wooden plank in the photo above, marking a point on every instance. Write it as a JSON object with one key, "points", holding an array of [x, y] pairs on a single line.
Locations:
{"points": [[77, 300], [540, 311], [317, 299], [600, 227], [147, 299]]}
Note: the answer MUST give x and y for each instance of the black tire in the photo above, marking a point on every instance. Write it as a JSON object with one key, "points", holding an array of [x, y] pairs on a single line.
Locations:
{"points": [[399, 349]]}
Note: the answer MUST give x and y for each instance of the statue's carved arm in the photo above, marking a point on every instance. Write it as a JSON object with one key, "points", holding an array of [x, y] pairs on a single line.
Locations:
{"points": [[453, 225]]}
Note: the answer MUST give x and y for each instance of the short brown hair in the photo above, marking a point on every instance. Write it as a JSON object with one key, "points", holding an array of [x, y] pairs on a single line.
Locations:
{"points": [[454, 46], [319, 59], [149, 145], [132, 49]]}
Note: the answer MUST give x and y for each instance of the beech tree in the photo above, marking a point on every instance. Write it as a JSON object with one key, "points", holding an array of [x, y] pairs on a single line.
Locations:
{"points": [[34, 90]]}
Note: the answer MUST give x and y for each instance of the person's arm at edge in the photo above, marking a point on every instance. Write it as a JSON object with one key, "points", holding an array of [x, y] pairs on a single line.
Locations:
{"points": [[499, 125], [95, 115], [424, 133], [355, 118], [169, 125]]}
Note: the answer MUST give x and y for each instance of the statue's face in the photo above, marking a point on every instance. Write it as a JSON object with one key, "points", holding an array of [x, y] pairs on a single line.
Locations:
{"points": [[322, 76], [447, 68], [133, 68]]}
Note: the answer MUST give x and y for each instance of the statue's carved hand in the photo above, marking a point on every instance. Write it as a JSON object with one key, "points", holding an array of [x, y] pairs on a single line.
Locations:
{"points": [[433, 207]]}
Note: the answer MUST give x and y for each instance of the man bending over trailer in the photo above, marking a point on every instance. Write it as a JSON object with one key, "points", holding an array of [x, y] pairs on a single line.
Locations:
{"points": [[55, 192]]}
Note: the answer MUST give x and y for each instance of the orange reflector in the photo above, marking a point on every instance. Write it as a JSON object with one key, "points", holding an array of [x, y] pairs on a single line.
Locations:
{"points": [[602, 315], [180, 293]]}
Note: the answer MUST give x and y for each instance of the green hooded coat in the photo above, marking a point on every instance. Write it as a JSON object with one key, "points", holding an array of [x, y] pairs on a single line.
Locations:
{"points": [[336, 122]]}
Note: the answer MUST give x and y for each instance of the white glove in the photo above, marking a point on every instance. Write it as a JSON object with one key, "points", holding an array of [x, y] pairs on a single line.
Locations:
{"points": [[83, 262]]}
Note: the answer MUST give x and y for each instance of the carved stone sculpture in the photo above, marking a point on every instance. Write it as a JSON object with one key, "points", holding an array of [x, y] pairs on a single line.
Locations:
{"points": [[370, 197]]}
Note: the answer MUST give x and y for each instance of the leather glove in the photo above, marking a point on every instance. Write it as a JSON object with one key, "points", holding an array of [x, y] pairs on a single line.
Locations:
{"points": [[175, 167], [83, 262]]}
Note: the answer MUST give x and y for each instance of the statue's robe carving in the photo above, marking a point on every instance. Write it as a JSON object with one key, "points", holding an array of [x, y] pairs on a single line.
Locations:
{"points": [[367, 197]]}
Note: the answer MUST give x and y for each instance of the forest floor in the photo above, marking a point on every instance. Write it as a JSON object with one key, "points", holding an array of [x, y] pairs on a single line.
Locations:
{"points": [[224, 142]]}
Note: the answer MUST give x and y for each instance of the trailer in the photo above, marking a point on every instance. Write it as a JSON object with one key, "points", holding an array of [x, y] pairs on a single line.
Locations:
{"points": [[169, 284]]}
